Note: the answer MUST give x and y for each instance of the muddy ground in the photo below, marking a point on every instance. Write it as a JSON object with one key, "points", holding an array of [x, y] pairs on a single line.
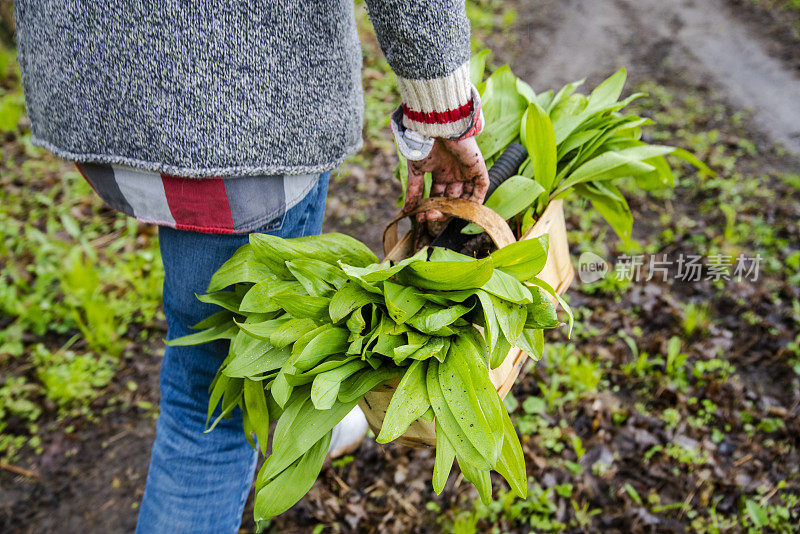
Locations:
{"points": [[722, 53]]}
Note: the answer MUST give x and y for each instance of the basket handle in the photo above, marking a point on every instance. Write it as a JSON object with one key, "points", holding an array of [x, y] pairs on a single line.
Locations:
{"points": [[486, 218]]}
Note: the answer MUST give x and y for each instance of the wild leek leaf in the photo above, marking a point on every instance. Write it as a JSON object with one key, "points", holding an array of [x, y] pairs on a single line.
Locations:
{"points": [[225, 299], [477, 66], [527, 91], [458, 392], [435, 321], [564, 93], [223, 331], [606, 166], [552, 292], [301, 432], [609, 202], [258, 359], [503, 107], [524, 259], [508, 288], [410, 401], [357, 385], [510, 317], [447, 275], [259, 297], [607, 92], [491, 327], [468, 360], [660, 177], [289, 486], [348, 298], [291, 331], [541, 313], [330, 248], [240, 268], [531, 342], [479, 478], [326, 341], [402, 302], [511, 463], [317, 281], [255, 403], [304, 306], [445, 455], [541, 144], [326, 385], [448, 422], [263, 330]]}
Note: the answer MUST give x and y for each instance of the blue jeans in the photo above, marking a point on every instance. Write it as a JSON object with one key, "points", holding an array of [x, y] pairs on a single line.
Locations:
{"points": [[199, 482]]}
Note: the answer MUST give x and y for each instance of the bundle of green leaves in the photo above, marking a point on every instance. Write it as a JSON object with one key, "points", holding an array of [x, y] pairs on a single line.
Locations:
{"points": [[576, 143], [314, 323]]}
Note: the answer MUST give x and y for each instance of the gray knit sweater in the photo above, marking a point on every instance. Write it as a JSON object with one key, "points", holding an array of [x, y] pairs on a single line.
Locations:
{"points": [[238, 87]]}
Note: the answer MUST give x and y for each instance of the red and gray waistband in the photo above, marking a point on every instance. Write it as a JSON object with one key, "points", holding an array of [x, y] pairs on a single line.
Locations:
{"points": [[238, 204]]}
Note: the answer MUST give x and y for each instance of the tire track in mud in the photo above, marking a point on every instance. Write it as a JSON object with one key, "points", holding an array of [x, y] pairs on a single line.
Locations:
{"points": [[699, 41]]}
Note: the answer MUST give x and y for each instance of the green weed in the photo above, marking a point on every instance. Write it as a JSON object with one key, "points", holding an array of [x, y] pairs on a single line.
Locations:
{"points": [[537, 512], [572, 373], [692, 456], [71, 379], [696, 318]]}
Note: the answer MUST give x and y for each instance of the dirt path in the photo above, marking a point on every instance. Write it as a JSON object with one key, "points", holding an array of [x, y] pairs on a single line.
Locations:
{"points": [[702, 41]]}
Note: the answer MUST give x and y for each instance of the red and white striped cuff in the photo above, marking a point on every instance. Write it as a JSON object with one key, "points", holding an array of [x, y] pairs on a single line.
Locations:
{"points": [[440, 107]]}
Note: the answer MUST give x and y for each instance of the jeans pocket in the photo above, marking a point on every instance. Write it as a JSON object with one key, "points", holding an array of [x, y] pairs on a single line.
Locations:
{"points": [[274, 225]]}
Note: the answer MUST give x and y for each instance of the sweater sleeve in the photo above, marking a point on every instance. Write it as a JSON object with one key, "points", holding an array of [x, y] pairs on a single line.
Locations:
{"points": [[427, 44]]}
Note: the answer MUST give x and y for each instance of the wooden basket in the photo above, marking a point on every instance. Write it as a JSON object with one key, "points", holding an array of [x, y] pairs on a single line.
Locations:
{"points": [[557, 272]]}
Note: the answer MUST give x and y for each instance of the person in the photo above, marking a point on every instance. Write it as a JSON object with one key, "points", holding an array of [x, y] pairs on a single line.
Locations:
{"points": [[215, 119]]}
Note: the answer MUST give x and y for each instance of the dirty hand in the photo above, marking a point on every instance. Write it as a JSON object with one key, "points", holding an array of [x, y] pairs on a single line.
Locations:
{"points": [[458, 171]]}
